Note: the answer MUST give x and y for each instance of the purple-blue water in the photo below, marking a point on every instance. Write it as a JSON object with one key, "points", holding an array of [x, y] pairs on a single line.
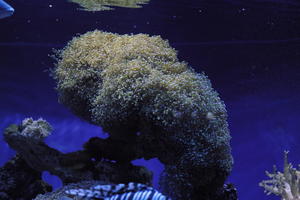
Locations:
{"points": [[249, 49]]}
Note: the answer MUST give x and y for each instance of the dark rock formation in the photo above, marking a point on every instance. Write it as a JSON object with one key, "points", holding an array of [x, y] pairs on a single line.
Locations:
{"points": [[27, 140], [18, 181]]}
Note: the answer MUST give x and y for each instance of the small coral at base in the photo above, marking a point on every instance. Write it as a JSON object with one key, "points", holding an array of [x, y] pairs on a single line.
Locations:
{"points": [[286, 184], [131, 190]]}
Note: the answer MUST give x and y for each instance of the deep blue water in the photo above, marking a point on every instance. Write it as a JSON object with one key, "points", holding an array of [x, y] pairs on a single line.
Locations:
{"points": [[250, 49]]}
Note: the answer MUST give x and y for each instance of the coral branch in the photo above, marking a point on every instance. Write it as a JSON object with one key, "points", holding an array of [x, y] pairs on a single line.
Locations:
{"points": [[286, 184]]}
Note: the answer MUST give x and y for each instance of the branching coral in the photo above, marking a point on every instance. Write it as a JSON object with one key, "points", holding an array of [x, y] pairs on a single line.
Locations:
{"points": [[286, 184], [100, 5], [137, 90]]}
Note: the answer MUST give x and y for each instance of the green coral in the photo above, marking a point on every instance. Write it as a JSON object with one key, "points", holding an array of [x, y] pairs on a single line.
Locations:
{"points": [[100, 5], [135, 83]]}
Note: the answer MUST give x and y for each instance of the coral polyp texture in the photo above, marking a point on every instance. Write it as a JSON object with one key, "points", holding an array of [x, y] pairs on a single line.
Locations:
{"points": [[137, 90], [100, 5], [286, 184]]}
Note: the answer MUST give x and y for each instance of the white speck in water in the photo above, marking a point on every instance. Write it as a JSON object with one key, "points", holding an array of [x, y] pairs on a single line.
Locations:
{"points": [[242, 10]]}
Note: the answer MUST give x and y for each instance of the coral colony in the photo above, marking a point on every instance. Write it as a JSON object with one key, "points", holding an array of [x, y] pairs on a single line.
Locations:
{"points": [[100, 5], [286, 184], [152, 106], [134, 191]]}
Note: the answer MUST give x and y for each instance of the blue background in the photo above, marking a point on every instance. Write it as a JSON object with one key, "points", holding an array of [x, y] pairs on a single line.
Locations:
{"points": [[249, 49]]}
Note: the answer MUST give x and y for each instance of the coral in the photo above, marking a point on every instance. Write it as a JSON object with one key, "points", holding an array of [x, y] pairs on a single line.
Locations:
{"points": [[286, 184], [131, 190], [19, 181], [69, 191], [100, 5], [38, 129], [61, 194], [83, 186], [137, 90], [27, 140]]}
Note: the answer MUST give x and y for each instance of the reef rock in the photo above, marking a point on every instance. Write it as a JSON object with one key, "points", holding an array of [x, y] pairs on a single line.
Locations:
{"points": [[18, 181]]}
